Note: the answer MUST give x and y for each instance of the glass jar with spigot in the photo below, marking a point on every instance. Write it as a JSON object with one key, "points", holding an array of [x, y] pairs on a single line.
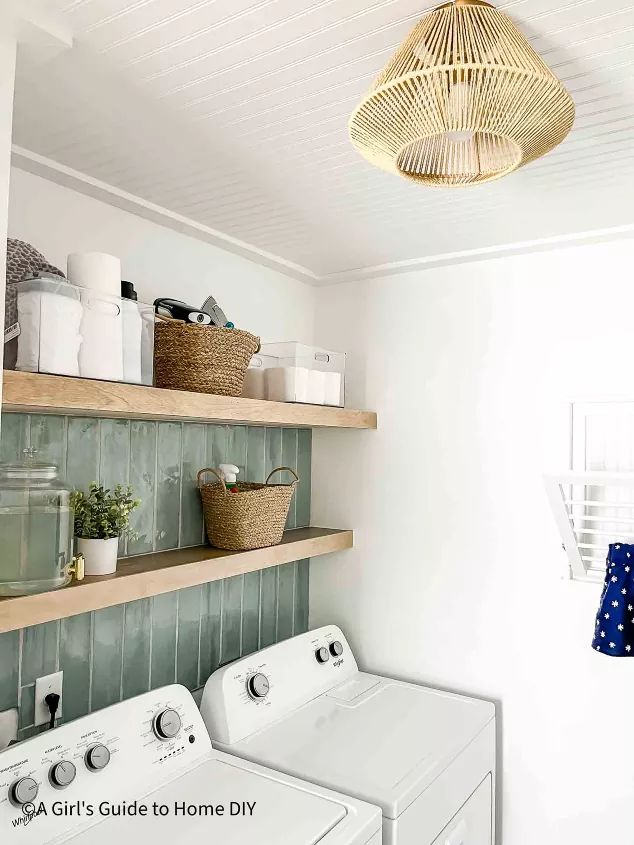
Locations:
{"points": [[36, 528]]}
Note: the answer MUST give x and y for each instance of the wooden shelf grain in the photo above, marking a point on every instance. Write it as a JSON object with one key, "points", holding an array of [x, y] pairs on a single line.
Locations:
{"points": [[44, 394], [163, 572]]}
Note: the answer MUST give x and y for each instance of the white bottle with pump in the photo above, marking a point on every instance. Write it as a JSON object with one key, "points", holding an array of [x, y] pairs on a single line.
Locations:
{"points": [[229, 472]]}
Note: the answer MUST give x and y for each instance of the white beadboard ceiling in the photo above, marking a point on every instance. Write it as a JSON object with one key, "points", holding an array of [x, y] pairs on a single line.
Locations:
{"points": [[234, 113]]}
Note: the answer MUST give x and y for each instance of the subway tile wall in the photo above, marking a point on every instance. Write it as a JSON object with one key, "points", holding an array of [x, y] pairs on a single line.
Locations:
{"points": [[121, 651]]}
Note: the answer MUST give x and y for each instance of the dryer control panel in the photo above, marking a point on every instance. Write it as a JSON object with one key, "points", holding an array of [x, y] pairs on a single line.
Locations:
{"points": [[255, 691], [72, 777]]}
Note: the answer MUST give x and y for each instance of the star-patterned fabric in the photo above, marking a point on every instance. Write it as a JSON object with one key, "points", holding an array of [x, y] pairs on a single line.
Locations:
{"points": [[614, 628]]}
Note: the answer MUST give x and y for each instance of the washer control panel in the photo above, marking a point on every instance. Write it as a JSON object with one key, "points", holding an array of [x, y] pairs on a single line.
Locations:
{"points": [[57, 782], [251, 693]]}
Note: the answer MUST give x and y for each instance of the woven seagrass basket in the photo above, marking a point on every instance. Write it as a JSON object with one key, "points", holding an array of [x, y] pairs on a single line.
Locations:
{"points": [[203, 359], [252, 518]]}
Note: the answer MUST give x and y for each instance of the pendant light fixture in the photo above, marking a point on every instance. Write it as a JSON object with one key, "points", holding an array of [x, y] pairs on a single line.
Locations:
{"points": [[464, 100]]}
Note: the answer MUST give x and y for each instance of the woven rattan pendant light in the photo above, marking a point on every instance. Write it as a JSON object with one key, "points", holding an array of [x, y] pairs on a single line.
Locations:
{"points": [[464, 100]]}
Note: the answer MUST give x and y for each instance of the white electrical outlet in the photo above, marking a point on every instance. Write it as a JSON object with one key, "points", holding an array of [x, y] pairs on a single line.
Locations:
{"points": [[49, 683]]}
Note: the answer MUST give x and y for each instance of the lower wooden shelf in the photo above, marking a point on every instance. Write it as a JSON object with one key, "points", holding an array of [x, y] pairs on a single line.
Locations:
{"points": [[162, 572]]}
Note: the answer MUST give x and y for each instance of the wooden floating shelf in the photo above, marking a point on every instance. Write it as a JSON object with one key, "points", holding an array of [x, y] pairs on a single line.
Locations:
{"points": [[163, 572], [44, 394]]}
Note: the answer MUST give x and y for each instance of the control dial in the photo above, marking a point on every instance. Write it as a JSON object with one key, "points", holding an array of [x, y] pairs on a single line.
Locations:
{"points": [[97, 757], [322, 655], [167, 724], [336, 649], [23, 791], [62, 774], [258, 685]]}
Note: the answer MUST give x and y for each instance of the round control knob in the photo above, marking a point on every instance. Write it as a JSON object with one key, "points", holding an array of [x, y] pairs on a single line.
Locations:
{"points": [[321, 655], [258, 686], [97, 757], [167, 724], [23, 791], [336, 649], [62, 774]]}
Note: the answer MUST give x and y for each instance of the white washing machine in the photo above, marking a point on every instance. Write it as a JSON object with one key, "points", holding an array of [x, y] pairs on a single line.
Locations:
{"points": [[427, 758], [144, 771]]}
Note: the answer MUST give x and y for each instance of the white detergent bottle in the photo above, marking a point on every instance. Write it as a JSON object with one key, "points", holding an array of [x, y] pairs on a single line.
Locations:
{"points": [[229, 472]]}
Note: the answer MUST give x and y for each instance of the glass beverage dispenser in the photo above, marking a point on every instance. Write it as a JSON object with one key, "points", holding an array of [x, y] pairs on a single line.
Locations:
{"points": [[36, 528]]}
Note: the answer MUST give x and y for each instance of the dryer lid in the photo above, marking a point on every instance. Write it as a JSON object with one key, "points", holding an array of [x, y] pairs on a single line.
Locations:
{"points": [[283, 812], [379, 740]]}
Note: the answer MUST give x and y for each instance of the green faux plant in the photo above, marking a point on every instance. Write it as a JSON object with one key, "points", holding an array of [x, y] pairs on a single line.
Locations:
{"points": [[102, 514]]}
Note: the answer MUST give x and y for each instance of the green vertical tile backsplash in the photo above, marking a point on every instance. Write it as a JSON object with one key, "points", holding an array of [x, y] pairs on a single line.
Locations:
{"points": [[15, 436], [39, 651], [268, 605], [285, 601], [143, 461], [75, 648], [48, 437], [83, 452], [137, 625], [302, 494], [194, 459], [179, 637], [168, 486], [188, 643], [164, 632], [210, 618], [231, 618], [107, 654], [9, 669], [250, 612]]}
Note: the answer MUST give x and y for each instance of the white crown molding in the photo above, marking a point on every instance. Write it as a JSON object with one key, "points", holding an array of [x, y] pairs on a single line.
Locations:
{"points": [[482, 254], [35, 28], [67, 177], [74, 179]]}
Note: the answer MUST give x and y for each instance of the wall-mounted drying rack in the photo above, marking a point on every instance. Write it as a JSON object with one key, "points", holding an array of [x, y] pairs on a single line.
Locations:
{"points": [[592, 510]]}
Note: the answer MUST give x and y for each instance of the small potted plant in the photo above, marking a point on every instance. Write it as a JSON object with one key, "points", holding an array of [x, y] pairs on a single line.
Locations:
{"points": [[101, 517]]}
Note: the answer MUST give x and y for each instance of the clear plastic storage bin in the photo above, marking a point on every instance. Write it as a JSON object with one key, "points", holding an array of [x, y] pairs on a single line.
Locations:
{"points": [[294, 372], [68, 330]]}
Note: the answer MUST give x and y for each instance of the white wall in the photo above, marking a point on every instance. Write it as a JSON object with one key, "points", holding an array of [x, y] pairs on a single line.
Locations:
{"points": [[160, 262], [8, 49], [456, 576]]}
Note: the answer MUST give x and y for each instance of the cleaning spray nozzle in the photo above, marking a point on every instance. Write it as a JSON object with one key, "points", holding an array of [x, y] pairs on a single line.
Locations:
{"points": [[229, 473]]}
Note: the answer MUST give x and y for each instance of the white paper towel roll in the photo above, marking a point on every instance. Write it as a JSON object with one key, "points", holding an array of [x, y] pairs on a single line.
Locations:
{"points": [[286, 384], [332, 389], [95, 271], [254, 384]]}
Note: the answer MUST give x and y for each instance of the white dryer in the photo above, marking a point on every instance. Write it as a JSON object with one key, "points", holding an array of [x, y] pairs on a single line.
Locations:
{"points": [[144, 771], [426, 757]]}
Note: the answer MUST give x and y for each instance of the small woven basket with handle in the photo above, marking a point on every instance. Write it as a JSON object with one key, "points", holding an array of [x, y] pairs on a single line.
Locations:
{"points": [[252, 518], [203, 359]]}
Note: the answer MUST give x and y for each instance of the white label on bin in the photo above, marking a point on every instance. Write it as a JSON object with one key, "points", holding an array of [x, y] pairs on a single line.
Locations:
{"points": [[11, 331]]}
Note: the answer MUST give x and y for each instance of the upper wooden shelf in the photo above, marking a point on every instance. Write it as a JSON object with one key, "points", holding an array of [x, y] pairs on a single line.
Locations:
{"points": [[163, 572], [44, 394]]}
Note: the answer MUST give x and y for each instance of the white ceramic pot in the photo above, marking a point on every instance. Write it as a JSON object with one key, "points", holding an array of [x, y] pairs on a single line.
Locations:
{"points": [[100, 556]]}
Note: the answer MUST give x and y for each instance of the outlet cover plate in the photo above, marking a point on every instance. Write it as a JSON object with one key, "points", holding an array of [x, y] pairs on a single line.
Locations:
{"points": [[44, 685]]}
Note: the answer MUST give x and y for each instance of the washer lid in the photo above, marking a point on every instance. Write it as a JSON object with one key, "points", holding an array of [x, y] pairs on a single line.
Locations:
{"points": [[379, 740], [295, 814]]}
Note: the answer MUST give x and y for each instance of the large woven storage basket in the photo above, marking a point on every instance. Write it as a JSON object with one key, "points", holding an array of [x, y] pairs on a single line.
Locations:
{"points": [[252, 518], [203, 359]]}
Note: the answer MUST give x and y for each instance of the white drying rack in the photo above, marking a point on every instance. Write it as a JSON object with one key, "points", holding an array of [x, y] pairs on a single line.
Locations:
{"points": [[592, 510]]}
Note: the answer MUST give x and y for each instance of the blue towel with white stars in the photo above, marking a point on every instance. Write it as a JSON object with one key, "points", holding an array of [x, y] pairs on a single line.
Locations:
{"points": [[614, 629]]}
